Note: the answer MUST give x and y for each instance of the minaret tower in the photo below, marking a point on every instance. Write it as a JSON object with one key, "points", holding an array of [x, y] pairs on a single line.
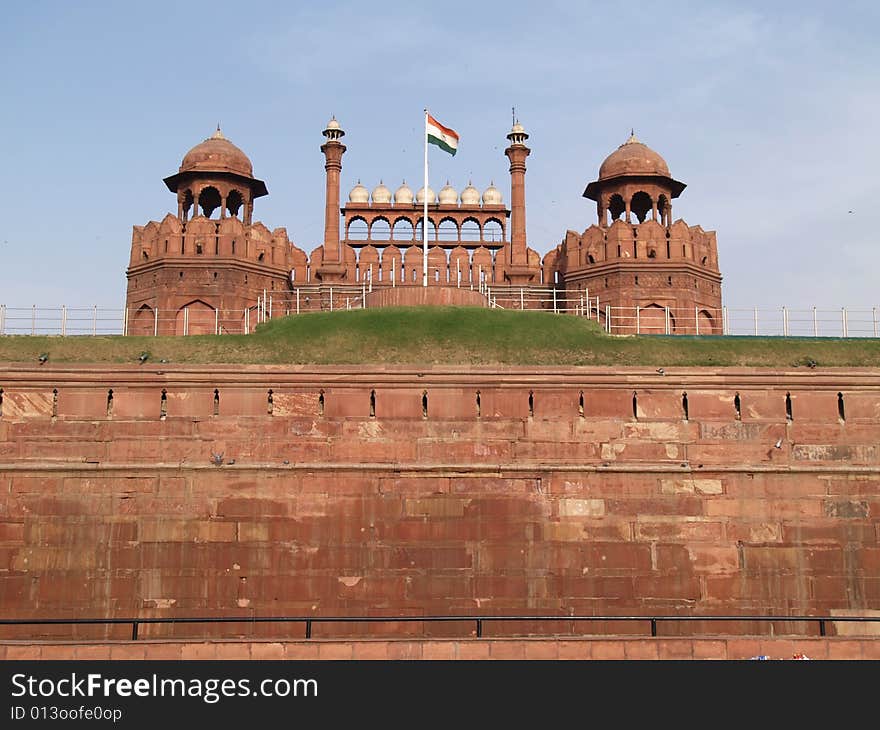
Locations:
{"points": [[332, 266], [516, 267]]}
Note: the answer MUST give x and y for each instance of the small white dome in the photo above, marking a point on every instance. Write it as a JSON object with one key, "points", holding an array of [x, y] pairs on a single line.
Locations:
{"points": [[359, 194], [381, 194], [491, 195], [470, 195], [403, 195], [420, 196], [448, 195], [332, 124]]}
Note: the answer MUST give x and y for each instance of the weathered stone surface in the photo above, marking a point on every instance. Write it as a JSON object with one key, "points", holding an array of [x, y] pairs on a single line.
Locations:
{"points": [[346, 514]]}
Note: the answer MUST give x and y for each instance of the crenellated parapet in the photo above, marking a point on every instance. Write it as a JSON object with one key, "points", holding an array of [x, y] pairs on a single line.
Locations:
{"points": [[209, 257], [636, 257]]}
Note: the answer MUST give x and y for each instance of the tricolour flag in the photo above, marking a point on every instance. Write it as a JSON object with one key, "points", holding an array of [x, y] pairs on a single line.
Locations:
{"points": [[444, 137]]}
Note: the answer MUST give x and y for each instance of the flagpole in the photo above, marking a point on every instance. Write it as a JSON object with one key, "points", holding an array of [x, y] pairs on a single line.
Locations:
{"points": [[425, 216]]}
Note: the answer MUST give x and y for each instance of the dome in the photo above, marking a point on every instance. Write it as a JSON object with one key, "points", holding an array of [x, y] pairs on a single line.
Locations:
{"points": [[491, 195], [420, 196], [217, 154], [381, 194], [633, 158], [403, 195], [359, 194], [333, 131], [448, 195], [470, 195]]}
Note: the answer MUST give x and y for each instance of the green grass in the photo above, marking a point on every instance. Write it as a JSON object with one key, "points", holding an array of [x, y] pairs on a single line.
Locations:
{"points": [[445, 335]]}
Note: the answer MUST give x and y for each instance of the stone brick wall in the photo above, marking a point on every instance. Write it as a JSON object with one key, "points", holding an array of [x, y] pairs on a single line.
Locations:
{"points": [[557, 491]]}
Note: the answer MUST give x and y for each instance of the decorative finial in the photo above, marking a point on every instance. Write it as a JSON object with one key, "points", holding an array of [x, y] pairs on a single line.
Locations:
{"points": [[218, 134], [512, 115]]}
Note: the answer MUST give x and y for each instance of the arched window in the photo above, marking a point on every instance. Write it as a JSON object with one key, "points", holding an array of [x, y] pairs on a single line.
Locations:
{"points": [[234, 202], [357, 229], [209, 200], [380, 230], [641, 205]]}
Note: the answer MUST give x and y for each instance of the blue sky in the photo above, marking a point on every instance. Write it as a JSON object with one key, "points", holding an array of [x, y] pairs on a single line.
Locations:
{"points": [[768, 111]]}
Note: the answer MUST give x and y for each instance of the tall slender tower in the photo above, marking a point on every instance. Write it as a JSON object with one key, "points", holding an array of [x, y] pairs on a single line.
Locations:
{"points": [[332, 266], [516, 269]]}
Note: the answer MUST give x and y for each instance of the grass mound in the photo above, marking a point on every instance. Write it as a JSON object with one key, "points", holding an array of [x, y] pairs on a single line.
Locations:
{"points": [[445, 335]]}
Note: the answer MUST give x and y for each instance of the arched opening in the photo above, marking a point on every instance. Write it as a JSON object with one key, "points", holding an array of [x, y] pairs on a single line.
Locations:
{"points": [[616, 206], [372, 404], [432, 230], [380, 230], [788, 409], [531, 404], [470, 230], [234, 201], [321, 403], [705, 322], [270, 403], [479, 405], [357, 230], [581, 404], [403, 230], [684, 406], [209, 201], [448, 230], [641, 205], [737, 407], [493, 231], [195, 318], [652, 320], [841, 412], [143, 322], [424, 404]]}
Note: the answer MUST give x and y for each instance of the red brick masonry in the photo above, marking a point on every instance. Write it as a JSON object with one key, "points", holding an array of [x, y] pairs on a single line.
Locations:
{"points": [[556, 491]]}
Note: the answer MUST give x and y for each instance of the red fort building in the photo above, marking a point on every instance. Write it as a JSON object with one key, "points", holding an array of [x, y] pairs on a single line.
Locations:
{"points": [[211, 269]]}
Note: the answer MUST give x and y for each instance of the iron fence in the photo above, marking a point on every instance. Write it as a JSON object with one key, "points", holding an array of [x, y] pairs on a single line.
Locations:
{"points": [[789, 624], [843, 322]]}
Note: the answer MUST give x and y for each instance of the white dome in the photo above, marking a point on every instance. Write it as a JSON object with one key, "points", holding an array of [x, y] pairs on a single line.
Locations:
{"points": [[491, 195], [359, 194], [381, 194], [403, 195], [420, 196], [333, 124], [448, 195], [470, 195]]}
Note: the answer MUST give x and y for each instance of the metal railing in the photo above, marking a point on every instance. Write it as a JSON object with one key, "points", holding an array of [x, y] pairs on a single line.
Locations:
{"points": [[845, 322], [479, 622]]}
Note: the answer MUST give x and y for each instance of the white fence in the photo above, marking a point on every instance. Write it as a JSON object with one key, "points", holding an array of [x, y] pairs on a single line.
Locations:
{"points": [[651, 320]]}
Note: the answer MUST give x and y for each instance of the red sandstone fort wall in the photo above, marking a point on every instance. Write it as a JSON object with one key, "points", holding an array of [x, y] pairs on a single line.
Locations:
{"points": [[571, 491]]}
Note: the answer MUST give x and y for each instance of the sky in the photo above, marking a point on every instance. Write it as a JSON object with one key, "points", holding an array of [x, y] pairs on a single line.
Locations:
{"points": [[770, 112]]}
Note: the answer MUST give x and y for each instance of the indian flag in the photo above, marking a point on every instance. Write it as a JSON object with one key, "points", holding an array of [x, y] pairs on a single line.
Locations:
{"points": [[444, 137]]}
